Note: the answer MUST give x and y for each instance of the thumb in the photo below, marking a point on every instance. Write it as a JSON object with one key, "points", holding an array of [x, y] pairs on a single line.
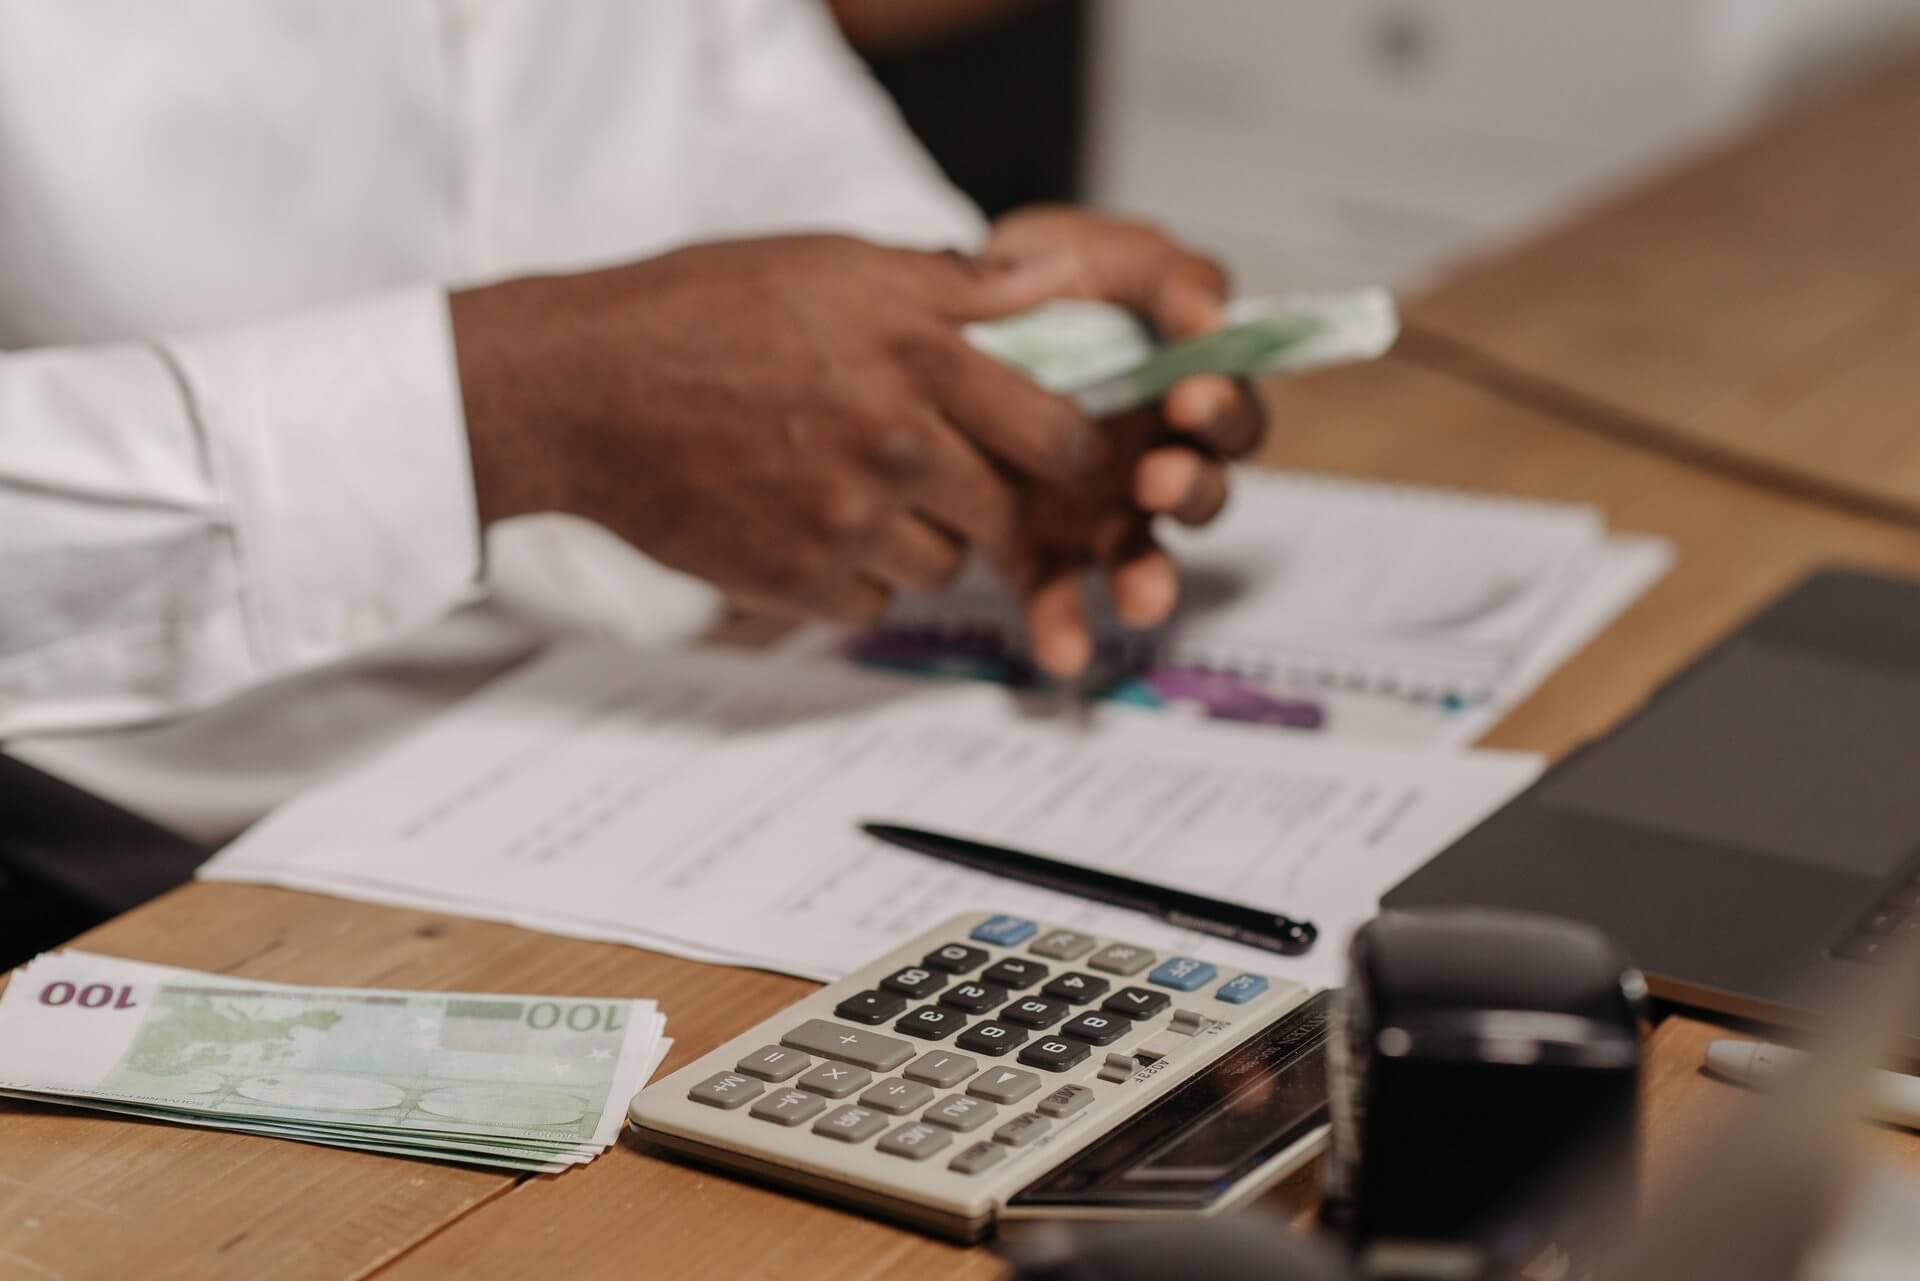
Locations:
{"points": [[998, 287]]}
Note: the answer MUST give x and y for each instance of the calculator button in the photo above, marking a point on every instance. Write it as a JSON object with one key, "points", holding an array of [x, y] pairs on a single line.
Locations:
{"points": [[1003, 1085], [870, 1007], [850, 1124], [1055, 1054], [1022, 1130], [937, 1067], [1118, 1067], [914, 982], [1014, 972], [726, 1090], [1076, 987], [789, 1107], [977, 1157], [1136, 1002], [916, 1141], [850, 1045], [973, 998], [1241, 989], [1188, 1022], [991, 1037], [1004, 931], [931, 1023], [1120, 958], [958, 1112], [956, 958], [896, 1097], [771, 1063], [1066, 1100], [1061, 945], [835, 1080], [1034, 1012], [1097, 1029], [1183, 974]]}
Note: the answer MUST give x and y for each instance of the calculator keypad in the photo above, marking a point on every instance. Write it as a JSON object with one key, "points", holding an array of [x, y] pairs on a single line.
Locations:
{"points": [[979, 1052]]}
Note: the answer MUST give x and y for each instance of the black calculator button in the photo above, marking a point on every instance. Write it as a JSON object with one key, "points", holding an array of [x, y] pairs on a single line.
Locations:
{"points": [[931, 1023], [1097, 1029], [1015, 973], [870, 1007], [956, 958], [914, 981], [1136, 1002], [973, 998], [1055, 1053], [991, 1038], [1076, 988], [1035, 1012]]}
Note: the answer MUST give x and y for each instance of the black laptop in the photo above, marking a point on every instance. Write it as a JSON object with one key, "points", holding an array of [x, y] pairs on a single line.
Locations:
{"points": [[1753, 832]]}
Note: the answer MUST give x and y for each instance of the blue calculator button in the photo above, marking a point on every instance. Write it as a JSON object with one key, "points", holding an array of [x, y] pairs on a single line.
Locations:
{"points": [[1238, 991], [1004, 931], [1183, 974]]}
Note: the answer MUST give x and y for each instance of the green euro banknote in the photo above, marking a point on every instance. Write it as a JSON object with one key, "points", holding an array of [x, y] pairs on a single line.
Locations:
{"points": [[1107, 360], [533, 1082]]}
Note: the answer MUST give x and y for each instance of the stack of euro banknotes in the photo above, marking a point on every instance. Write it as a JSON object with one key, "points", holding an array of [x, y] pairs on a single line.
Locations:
{"points": [[535, 1083]]}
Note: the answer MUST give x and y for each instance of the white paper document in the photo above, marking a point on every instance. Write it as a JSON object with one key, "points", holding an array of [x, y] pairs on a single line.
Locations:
{"points": [[706, 803]]}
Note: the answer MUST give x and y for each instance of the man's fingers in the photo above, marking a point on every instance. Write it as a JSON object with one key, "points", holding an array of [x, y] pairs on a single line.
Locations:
{"points": [[1176, 481], [961, 491], [1057, 629], [1028, 428], [912, 555], [1224, 415], [855, 599], [1141, 579]]}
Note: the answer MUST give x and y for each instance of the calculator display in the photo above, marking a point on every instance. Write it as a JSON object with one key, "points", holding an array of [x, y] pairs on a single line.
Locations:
{"points": [[1191, 1148]]}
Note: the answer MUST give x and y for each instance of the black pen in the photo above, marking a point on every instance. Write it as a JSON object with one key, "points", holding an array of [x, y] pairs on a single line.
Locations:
{"points": [[1248, 925]]}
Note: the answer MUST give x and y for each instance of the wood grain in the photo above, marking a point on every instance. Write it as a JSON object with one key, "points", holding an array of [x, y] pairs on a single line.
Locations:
{"points": [[1762, 303]]}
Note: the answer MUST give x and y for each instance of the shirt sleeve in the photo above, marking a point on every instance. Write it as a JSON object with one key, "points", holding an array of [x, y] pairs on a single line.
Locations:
{"points": [[180, 519], [798, 136]]}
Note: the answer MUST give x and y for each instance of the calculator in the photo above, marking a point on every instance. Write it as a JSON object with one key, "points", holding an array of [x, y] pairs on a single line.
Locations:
{"points": [[999, 1068]]}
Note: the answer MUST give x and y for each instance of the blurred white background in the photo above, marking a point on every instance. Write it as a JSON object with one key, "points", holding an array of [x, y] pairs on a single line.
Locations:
{"points": [[1316, 142]]}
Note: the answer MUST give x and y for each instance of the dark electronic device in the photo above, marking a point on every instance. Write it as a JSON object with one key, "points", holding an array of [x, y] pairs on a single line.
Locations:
{"points": [[1751, 836], [1474, 1057]]}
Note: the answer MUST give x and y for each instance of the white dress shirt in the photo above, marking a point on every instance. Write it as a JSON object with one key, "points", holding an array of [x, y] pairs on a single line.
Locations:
{"points": [[233, 470]]}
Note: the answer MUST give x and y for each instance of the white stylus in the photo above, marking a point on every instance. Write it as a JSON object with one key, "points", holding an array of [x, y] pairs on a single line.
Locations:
{"points": [[1893, 1096]]}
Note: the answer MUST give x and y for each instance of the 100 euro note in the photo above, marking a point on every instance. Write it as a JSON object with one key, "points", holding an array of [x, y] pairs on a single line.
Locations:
{"points": [[1108, 361], [527, 1082]]}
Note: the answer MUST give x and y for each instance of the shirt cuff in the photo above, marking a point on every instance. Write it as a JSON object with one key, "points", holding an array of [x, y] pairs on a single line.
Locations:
{"points": [[338, 437]]}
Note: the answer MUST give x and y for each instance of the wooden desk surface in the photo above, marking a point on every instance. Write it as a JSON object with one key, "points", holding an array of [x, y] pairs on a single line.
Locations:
{"points": [[1761, 304], [85, 1196]]}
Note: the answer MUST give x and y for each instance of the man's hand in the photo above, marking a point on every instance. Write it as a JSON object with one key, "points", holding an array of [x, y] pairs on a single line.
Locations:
{"points": [[1166, 462], [797, 421]]}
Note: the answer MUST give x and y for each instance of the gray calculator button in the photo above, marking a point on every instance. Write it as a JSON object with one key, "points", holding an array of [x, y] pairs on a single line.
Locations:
{"points": [[1003, 1085], [941, 1068], [1066, 1100], [771, 1063], [958, 1112], [978, 1157], [1022, 1130], [896, 1098], [1118, 1067], [1120, 958], [725, 1090], [849, 1045], [916, 1141], [789, 1107], [1061, 945], [850, 1124], [836, 1080]]}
